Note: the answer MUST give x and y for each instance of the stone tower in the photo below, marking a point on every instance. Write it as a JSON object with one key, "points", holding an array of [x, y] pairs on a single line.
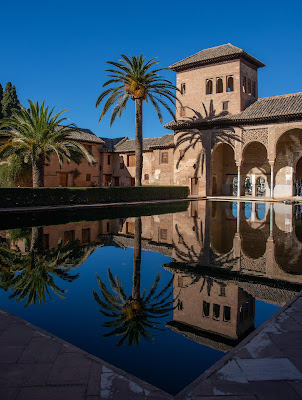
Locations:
{"points": [[215, 82]]}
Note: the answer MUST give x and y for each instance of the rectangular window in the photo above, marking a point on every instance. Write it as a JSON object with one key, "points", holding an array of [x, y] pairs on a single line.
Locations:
{"points": [[130, 228], [206, 309], [163, 233], [108, 160], [146, 178], [253, 89], [88, 177], [244, 88], [46, 241], [230, 83], [108, 227], [209, 86], [249, 86], [183, 88], [225, 106], [219, 85], [86, 235], [68, 236], [131, 160], [216, 311], [222, 291], [164, 157], [116, 181], [122, 165], [227, 314]]}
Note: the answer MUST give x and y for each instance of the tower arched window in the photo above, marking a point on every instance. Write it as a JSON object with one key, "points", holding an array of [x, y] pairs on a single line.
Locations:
{"points": [[230, 84], [209, 86], [219, 85]]}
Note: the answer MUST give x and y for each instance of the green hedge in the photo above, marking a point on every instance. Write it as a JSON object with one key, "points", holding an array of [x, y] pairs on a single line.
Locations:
{"points": [[29, 197]]}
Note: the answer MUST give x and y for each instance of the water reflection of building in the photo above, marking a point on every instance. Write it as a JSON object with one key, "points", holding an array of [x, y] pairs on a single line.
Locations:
{"points": [[225, 255]]}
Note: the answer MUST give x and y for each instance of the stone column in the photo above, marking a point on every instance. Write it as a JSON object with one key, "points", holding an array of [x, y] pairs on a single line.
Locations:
{"points": [[272, 163], [238, 216], [271, 221], [238, 179]]}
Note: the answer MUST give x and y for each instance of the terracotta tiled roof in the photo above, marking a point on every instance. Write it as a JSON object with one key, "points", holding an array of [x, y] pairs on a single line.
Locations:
{"points": [[148, 143], [283, 107], [110, 144], [272, 107], [85, 135], [215, 54]]}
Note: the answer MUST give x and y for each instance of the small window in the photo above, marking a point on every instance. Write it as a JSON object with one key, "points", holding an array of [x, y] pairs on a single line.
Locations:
{"points": [[253, 89], [227, 314], [163, 233], [244, 88], [209, 86], [88, 177], [108, 227], [130, 228], [230, 84], [181, 154], [164, 157], [182, 111], [216, 311], [219, 85], [131, 160], [146, 177], [183, 88], [86, 235], [249, 86], [46, 241], [225, 106], [206, 309], [116, 181], [222, 290], [108, 160], [68, 236], [122, 165]]}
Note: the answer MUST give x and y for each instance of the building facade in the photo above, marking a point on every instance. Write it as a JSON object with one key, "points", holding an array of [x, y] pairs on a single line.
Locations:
{"points": [[226, 141]]}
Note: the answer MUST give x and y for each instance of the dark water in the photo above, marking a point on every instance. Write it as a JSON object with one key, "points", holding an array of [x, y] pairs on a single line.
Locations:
{"points": [[224, 269]]}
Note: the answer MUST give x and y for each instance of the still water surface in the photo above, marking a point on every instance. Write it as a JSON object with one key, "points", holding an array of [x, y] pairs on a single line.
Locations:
{"points": [[176, 291]]}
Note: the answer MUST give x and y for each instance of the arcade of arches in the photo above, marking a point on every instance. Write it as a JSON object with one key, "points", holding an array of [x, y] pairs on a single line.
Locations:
{"points": [[267, 164]]}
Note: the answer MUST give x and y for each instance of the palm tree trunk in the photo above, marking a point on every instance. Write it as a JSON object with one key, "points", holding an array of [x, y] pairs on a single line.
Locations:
{"points": [[137, 256], [38, 171], [138, 141]]}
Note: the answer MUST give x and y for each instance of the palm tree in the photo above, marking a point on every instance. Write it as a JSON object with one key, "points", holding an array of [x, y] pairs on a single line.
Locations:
{"points": [[134, 315], [36, 133], [133, 79]]}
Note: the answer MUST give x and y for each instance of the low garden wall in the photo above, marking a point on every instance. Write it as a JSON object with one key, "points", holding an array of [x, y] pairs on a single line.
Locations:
{"points": [[32, 197]]}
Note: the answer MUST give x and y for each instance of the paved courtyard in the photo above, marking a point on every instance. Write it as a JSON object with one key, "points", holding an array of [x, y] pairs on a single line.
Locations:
{"points": [[36, 365]]}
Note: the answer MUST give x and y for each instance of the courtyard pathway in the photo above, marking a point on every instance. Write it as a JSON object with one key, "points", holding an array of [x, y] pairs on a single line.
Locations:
{"points": [[36, 365]]}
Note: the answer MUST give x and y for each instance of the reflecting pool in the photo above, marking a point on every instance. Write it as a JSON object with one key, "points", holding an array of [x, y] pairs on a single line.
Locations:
{"points": [[162, 295]]}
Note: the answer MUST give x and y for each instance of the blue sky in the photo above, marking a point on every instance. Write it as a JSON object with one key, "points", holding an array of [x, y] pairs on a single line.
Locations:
{"points": [[57, 50]]}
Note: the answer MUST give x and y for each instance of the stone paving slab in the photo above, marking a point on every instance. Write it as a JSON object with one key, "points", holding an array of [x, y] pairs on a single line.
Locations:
{"points": [[35, 364]]}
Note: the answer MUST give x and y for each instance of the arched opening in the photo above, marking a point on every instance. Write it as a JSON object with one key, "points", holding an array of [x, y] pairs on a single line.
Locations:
{"points": [[230, 84], [222, 227], [219, 85], [288, 164], [255, 170], [223, 170], [209, 86]]}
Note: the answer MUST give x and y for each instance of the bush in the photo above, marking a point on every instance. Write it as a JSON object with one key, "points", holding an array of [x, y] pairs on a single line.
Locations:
{"points": [[30, 197]]}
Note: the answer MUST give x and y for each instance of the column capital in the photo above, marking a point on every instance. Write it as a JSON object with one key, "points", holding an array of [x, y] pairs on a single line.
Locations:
{"points": [[271, 162], [238, 164]]}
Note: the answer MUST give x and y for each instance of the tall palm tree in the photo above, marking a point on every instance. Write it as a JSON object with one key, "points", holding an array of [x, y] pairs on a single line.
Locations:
{"points": [[134, 315], [132, 78], [36, 133]]}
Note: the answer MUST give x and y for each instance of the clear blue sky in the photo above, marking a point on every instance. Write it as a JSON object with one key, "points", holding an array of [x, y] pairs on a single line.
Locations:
{"points": [[57, 50]]}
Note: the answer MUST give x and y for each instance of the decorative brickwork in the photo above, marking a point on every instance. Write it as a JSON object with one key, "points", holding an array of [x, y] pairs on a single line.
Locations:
{"points": [[255, 135]]}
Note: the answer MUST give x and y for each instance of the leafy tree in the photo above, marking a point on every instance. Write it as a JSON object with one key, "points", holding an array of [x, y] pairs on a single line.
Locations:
{"points": [[35, 134], [132, 317], [132, 78], [15, 172], [9, 100]]}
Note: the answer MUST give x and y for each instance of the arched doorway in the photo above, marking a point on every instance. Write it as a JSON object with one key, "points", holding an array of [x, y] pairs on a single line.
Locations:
{"points": [[288, 164], [298, 178], [255, 170], [223, 170]]}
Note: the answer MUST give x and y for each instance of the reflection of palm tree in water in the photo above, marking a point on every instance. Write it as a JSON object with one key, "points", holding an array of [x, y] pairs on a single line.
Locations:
{"points": [[133, 317], [32, 275]]}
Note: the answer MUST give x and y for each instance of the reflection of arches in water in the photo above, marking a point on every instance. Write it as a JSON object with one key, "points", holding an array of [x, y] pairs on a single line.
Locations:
{"points": [[288, 251], [214, 186], [234, 209], [247, 210], [222, 227], [260, 210], [254, 240], [298, 177]]}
